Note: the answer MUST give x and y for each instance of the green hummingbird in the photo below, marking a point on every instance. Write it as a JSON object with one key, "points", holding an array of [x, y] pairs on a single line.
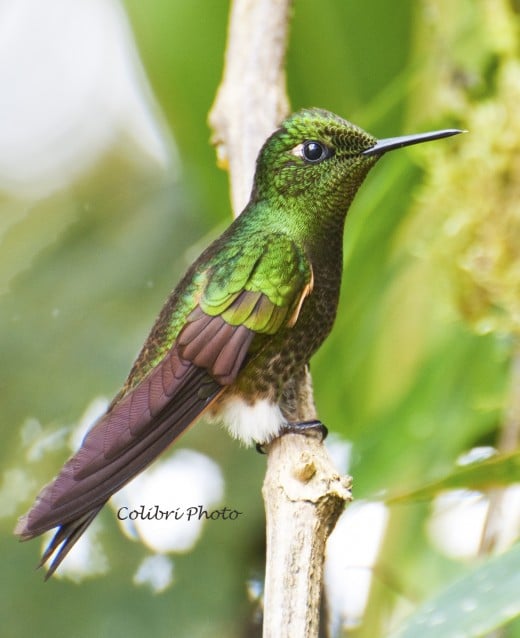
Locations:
{"points": [[235, 336]]}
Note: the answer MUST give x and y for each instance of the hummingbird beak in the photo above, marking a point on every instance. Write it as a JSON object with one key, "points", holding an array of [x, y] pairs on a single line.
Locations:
{"points": [[390, 143]]}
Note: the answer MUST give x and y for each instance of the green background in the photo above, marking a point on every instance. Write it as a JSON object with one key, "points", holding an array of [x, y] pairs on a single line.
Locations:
{"points": [[402, 376]]}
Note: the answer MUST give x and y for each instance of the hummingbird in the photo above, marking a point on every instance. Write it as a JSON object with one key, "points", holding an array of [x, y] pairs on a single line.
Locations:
{"points": [[235, 336]]}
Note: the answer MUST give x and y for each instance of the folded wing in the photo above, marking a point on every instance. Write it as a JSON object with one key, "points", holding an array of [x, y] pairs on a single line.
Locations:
{"points": [[206, 357]]}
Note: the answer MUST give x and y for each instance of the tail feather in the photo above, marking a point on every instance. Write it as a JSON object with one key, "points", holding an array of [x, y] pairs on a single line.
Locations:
{"points": [[95, 472], [137, 427], [65, 538]]}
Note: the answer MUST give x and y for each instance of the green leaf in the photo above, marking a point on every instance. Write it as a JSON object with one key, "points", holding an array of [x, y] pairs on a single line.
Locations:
{"points": [[483, 600], [498, 471]]}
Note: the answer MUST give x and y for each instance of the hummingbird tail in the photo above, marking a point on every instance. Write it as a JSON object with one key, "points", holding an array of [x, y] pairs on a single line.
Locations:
{"points": [[136, 428], [65, 538], [122, 443]]}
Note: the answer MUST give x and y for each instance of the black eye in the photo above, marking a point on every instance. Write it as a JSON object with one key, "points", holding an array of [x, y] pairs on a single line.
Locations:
{"points": [[314, 152]]}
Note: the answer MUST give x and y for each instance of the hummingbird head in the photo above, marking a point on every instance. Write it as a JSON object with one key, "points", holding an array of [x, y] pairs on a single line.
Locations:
{"points": [[313, 154], [318, 156]]}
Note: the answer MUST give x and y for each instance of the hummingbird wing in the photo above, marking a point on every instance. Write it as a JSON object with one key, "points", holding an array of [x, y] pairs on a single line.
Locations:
{"points": [[256, 287]]}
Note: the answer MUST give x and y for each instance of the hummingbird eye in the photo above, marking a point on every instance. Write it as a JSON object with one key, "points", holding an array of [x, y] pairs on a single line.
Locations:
{"points": [[314, 152]]}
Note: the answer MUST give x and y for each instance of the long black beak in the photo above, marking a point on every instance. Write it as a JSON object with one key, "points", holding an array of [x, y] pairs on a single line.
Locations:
{"points": [[390, 143]]}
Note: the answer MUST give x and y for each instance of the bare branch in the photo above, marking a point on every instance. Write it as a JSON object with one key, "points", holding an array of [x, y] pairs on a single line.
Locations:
{"points": [[304, 497], [252, 98], [303, 493]]}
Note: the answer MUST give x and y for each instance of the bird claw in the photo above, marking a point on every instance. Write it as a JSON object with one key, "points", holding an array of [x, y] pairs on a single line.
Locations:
{"points": [[307, 428], [314, 427]]}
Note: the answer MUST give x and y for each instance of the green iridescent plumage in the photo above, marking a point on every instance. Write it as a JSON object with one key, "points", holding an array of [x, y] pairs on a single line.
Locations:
{"points": [[237, 333], [272, 266]]}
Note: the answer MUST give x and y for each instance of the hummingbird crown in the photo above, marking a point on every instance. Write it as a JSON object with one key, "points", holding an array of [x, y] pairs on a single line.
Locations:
{"points": [[313, 154]]}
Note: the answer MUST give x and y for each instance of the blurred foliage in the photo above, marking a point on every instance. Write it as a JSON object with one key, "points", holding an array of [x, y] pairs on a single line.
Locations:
{"points": [[471, 195], [499, 471], [476, 604], [84, 272]]}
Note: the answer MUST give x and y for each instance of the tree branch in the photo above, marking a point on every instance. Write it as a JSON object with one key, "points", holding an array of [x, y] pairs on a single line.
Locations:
{"points": [[252, 99], [303, 493], [304, 497]]}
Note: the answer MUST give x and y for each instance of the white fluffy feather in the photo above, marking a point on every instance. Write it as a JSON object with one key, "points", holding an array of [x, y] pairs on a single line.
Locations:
{"points": [[257, 423]]}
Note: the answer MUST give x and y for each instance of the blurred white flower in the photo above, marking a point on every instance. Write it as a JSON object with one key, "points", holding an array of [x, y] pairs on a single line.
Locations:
{"points": [[457, 521], [458, 518], [155, 571], [185, 480], [352, 551]]}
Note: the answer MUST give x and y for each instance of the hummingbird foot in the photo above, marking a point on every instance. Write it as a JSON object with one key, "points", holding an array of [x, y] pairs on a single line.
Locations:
{"points": [[307, 428], [313, 428]]}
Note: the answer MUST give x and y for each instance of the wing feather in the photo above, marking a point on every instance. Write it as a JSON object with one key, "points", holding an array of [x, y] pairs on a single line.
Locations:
{"points": [[247, 292], [90, 477]]}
